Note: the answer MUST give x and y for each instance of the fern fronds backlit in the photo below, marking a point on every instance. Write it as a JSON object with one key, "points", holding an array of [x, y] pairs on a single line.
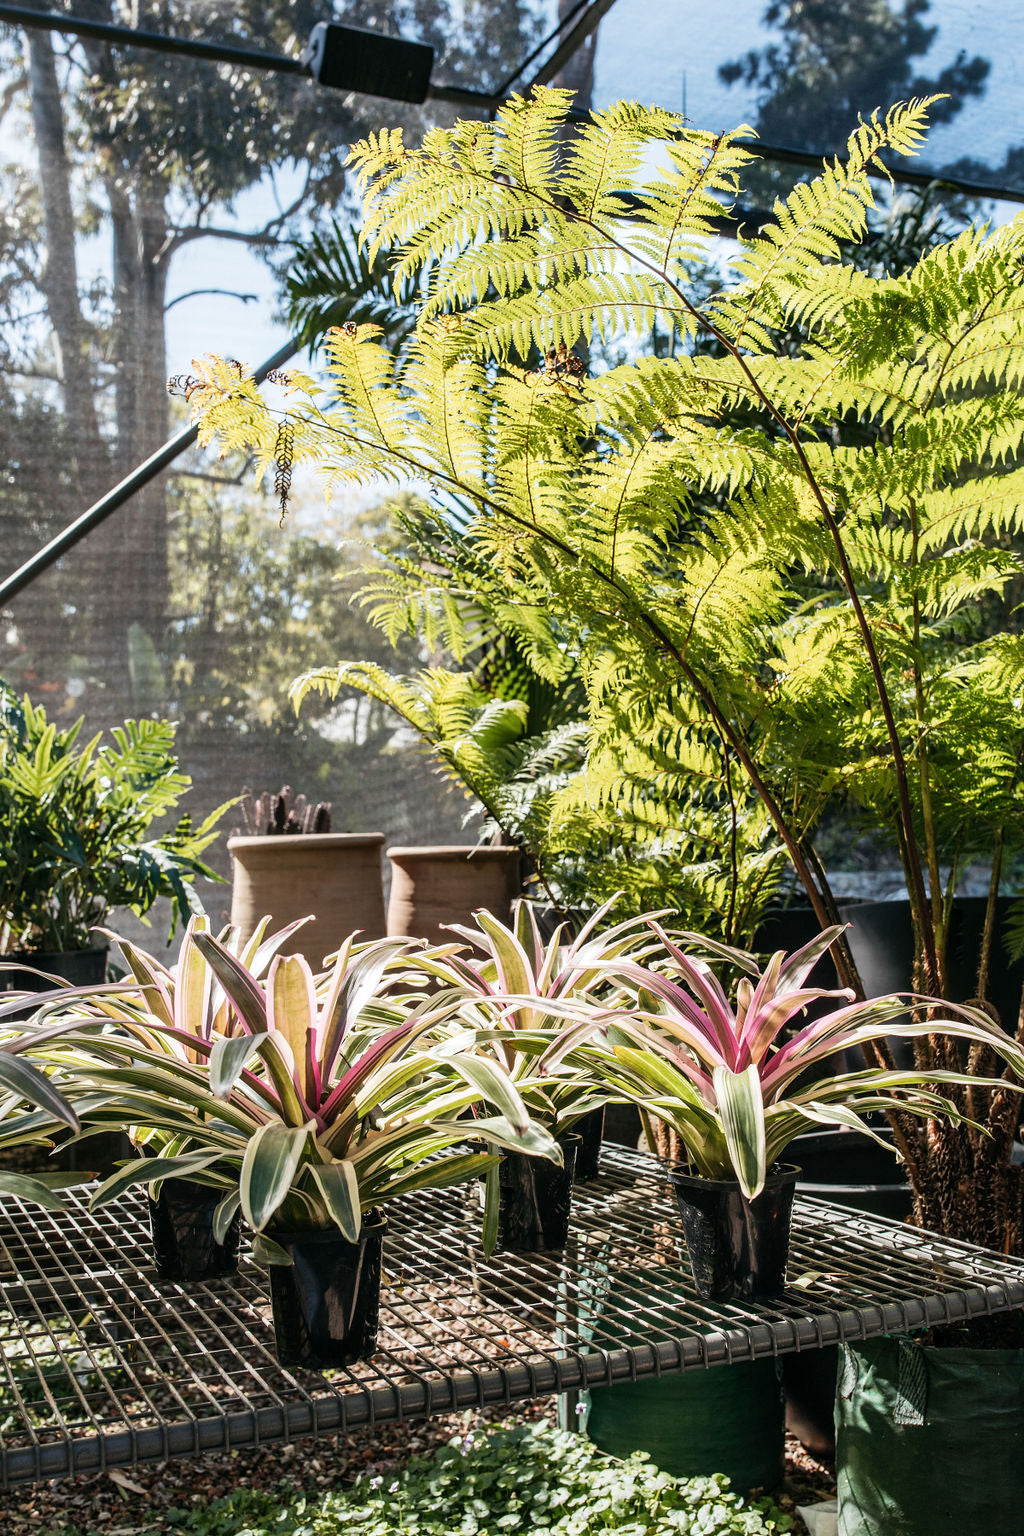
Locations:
{"points": [[763, 557]]}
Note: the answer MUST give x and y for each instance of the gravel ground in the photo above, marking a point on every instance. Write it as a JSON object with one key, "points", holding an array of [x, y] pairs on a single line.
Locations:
{"points": [[133, 1501]]}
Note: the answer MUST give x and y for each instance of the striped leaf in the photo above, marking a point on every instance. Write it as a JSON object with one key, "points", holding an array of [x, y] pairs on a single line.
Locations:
{"points": [[227, 1061], [22, 1078], [269, 1166], [224, 1215], [339, 1190], [742, 1110]]}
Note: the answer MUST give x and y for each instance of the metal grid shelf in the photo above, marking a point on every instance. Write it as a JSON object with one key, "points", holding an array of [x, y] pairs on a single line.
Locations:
{"points": [[101, 1364]]}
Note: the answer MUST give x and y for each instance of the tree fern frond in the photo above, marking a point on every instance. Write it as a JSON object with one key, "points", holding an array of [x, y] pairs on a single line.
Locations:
{"points": [[809, 225]]}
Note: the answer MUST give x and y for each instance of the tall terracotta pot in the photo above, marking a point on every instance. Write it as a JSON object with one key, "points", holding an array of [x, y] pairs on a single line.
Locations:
{"points": [[336, 876], [431, 887]]}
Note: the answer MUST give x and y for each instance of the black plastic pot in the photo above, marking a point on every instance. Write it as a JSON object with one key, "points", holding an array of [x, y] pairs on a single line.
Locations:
{"points": [[98, 1153], [738, 1247], [536, 1200], [590, 1131], [622, 1125], [183, 1241], [327, 1301]]}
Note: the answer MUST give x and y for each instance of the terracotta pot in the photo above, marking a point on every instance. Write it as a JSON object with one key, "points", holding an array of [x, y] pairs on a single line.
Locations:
{"points": [[431, 887], [336, 876]]}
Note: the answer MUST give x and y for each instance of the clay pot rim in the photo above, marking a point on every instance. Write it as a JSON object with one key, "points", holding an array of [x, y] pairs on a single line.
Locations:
{"points": [[452, 852], [306, 839]]}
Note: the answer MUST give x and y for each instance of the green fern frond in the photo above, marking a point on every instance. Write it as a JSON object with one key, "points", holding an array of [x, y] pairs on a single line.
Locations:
{"points": [[760, 573]]}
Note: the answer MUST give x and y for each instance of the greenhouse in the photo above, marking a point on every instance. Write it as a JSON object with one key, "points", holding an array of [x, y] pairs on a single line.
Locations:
{"points": [[511, 747]]}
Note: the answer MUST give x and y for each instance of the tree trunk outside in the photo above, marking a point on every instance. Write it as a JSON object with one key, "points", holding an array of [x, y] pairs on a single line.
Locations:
{"points": [[59, 280]]}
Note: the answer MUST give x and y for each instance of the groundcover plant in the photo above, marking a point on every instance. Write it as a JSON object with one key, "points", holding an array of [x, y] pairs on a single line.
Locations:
{"points": [[527, 1479]]}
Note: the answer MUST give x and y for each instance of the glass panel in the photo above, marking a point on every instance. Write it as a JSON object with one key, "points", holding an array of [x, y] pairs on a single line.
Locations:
{"points": [[800, 70], [148, 209]]}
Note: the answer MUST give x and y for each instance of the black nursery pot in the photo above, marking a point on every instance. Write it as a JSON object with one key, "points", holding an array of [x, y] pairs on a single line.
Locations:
{"points": [[536, 1200], [738, 1247], [75, 967], [183, 1241], [590, 1131], [327, 1301]]}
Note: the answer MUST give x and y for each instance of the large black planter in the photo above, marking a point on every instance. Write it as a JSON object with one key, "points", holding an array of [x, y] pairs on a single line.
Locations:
{"points": [[590, 1131], [881, 940], [738, 1247], [851, 1169], [536, 1200], [327, 1301], [789, 929], [76, 967], [183, 1243]]}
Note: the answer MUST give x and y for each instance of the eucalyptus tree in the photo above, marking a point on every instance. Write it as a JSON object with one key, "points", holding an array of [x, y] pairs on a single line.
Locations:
{"points": [[152, 152]]}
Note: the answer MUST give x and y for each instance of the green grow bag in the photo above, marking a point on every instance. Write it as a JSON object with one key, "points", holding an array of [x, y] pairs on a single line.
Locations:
{"points": [[728, 1419], [929, 1440]]}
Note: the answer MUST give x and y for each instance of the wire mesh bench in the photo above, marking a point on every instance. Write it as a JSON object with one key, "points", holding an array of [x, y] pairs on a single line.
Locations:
{"points": [[103, 1365]]}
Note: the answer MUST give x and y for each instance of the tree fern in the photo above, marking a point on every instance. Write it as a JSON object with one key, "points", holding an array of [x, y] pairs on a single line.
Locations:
{"points": [[783, 561]]}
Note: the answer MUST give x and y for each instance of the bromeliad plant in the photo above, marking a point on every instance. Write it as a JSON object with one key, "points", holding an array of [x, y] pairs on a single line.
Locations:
{"points": [[306, 1108], [519, 992], [725, 1076], [187, 1000], [32, 1108]]}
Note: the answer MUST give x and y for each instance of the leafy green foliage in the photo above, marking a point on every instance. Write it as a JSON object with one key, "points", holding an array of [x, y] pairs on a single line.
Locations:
{"points": [[536, 784], [74, 822], [527, 1478], [332, 281]]}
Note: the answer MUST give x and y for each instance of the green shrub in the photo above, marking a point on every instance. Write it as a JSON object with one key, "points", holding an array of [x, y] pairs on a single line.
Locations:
{"points": [[527, 1479]]}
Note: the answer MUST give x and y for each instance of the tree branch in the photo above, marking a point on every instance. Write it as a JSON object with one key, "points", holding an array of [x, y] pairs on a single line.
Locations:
{"points": [[215, 232], [195, 293]]}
